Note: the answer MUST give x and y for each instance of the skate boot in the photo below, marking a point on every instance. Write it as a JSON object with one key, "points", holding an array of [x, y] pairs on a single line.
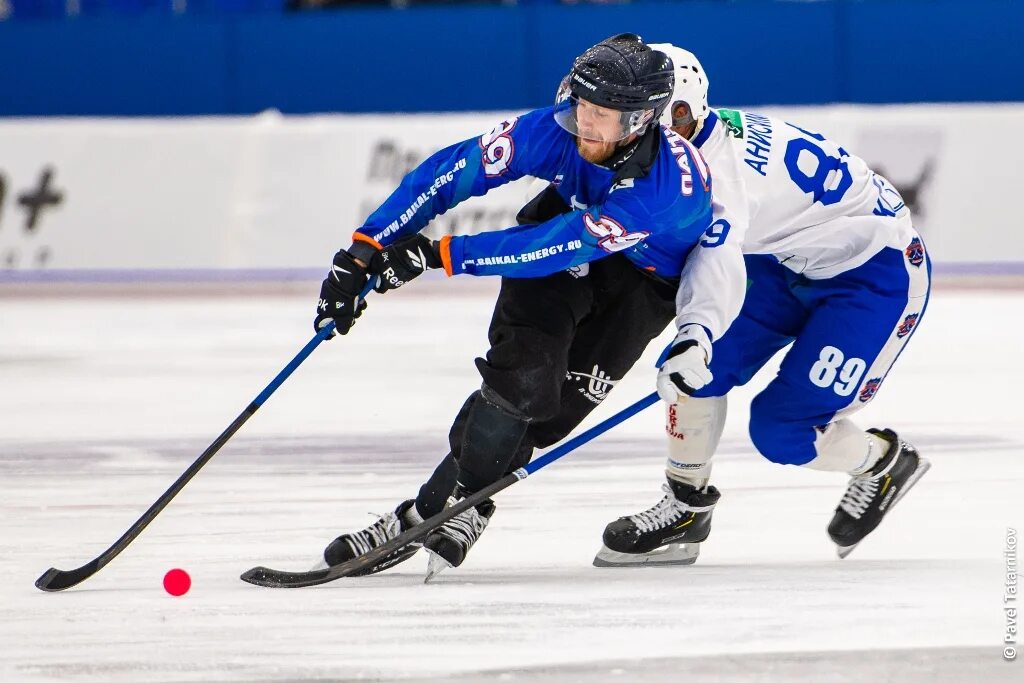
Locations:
{"points": [[449, 544], [668, 533], [350, 546], [870, 496]]}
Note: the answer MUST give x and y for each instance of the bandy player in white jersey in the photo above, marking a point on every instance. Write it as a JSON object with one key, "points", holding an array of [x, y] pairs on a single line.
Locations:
{"points": [[835, 268]]}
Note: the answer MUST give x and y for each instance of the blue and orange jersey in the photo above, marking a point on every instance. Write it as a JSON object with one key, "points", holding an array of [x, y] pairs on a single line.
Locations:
{"points": [[653, 220]]}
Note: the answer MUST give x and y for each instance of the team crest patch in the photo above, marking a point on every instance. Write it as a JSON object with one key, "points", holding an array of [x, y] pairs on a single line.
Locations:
{"points": [[907, 326], [733, 121], [870, 389], [915, 252]]}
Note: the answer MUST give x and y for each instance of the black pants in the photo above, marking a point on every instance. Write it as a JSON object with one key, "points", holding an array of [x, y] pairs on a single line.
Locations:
{"points": [[558, 346]]}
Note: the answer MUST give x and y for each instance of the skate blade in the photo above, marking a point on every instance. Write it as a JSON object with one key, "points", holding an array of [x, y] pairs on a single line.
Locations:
{"points": [[844, 550], [674, 554], [922, 466], [435, 565]]}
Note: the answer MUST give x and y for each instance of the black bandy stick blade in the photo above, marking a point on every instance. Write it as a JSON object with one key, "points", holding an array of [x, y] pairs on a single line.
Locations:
{"points": [[54, 579], [273, 578], [260, 576], [48, 581]]}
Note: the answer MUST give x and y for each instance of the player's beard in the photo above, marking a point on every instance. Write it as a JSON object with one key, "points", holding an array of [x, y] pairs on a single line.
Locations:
{"points": [[594, 151]]}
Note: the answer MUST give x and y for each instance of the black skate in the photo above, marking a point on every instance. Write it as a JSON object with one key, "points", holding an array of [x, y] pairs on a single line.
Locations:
{"points": [[350, 546], [870, 496], [668, 533], [449, 544]]}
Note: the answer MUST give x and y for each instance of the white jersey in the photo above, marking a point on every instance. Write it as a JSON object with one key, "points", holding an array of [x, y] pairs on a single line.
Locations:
{"points": [[817, 208], [790, 193]]}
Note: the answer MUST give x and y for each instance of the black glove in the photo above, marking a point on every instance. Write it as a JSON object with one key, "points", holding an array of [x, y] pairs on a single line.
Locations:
{"points": [[404, 260], [339, 292]]}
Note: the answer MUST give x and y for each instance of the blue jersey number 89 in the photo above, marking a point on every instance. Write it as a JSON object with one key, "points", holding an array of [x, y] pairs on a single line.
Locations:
{"points": [[825, 165]]}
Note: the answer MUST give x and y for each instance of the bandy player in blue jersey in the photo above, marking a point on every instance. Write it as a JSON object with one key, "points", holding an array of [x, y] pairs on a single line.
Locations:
{"points": [[589, 277], [836, 269]]}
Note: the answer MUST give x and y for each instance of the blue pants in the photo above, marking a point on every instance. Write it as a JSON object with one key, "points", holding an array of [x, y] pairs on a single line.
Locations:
{"points": [[846, 332]]}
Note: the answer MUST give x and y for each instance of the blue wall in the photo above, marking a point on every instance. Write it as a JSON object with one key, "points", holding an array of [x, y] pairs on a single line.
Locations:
{"points": [[501, 57]]}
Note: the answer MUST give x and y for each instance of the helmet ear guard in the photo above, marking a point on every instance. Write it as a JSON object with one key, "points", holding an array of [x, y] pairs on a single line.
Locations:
{"points": [[638, 119], [678, 121]]}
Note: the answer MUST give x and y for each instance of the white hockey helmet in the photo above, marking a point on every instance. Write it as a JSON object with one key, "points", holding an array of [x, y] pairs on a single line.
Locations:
{"points": [[691, 82]]}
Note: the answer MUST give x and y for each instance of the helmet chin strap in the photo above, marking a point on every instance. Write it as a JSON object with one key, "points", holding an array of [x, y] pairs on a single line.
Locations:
{"points": [[623, 151], [629, 140]]}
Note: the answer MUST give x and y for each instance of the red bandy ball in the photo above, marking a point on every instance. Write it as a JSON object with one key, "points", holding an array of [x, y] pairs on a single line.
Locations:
{"points": [[177, 582]]}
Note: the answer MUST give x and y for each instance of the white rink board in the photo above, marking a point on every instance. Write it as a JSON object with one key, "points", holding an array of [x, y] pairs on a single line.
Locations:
{"points": [[105, 401], [273, 192]]}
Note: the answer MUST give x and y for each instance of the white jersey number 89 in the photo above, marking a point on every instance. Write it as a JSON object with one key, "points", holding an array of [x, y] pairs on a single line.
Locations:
{"points": [[830, 364]]}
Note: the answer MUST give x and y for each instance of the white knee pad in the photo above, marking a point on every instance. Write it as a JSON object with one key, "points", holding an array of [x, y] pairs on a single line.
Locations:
{"points": [[845, 447], [694, 427]]}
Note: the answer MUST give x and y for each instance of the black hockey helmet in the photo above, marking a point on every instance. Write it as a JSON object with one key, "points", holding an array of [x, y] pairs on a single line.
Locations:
{"points": [[621, 73]]}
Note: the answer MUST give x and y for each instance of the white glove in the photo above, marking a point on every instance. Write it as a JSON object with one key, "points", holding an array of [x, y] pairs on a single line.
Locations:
{"points": [[686, 368]]}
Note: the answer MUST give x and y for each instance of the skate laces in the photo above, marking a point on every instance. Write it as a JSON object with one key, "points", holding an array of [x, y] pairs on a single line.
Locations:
{"points": [[465, 527], [863, 489], [858, 496], [666, 511], [383, 530]]}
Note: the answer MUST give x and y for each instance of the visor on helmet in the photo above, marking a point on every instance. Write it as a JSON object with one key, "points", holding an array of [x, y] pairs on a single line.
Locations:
{"points": [[595, 122]]}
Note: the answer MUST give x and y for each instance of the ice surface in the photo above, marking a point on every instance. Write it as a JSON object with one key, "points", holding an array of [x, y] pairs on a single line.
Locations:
{"points": [[104, 401]]}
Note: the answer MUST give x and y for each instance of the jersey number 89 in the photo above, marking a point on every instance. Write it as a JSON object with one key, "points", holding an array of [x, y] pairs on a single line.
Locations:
{"points": [[830, 365]]}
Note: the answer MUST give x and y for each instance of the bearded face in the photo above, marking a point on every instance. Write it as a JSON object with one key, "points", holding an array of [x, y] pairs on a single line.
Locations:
{"points": [[595, 152], [599, 130]]}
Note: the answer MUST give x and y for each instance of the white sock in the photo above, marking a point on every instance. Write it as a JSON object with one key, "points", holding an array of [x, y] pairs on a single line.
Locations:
{"points": [[845, 447], [694, 427], [412, 516]]}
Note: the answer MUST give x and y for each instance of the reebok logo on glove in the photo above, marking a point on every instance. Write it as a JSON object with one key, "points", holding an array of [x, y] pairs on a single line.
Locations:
{"points": [[418, 260], [388, 275]]}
